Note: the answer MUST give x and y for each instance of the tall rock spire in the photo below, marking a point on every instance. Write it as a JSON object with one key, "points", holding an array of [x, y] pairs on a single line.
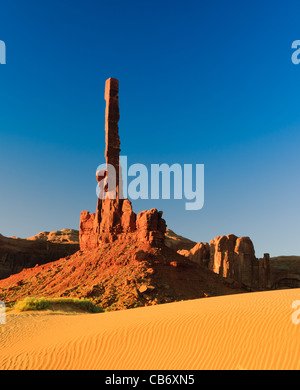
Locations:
{"points": [[112, 139], [114, 218]]}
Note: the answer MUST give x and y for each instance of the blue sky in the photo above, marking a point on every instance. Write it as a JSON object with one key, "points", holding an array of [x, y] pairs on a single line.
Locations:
{"points": [[200, 82]]}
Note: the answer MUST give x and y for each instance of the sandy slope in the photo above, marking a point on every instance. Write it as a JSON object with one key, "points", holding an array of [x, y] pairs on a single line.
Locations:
{"points": [[245, 331]]}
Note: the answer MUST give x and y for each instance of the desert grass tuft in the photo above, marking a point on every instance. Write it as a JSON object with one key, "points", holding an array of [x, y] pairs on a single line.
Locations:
{"points": [[31, 303]]}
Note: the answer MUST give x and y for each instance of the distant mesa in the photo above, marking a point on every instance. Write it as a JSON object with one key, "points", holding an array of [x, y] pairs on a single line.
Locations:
{"points": [[17, 253], [64, 236]]}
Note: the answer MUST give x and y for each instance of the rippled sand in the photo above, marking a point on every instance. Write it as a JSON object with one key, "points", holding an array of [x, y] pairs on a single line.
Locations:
{"points": [[244, 331]]}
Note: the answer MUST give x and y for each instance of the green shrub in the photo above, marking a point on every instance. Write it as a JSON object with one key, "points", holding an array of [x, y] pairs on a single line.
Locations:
{"points": [[31, 303]]}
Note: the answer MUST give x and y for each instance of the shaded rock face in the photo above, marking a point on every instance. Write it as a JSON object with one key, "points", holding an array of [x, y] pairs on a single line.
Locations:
{"points": [[232, 258], [114, 218], [151, 227], [264, 271], [17, 254], [112, 116], [176, 242], [285, 271], [199, 254]]}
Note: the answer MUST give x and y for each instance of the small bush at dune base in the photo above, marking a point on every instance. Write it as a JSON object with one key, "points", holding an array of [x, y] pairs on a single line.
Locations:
{"points": [[31, 303]]}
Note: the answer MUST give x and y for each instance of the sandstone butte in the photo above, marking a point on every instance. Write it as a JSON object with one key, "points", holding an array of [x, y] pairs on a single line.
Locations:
{"points": [[125, 260]]}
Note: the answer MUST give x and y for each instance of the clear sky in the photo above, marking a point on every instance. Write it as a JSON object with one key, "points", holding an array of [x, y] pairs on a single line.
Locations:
{"points": [[208, 82]]}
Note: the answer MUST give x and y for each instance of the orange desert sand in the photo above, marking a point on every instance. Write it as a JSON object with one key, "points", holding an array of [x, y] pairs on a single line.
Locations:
{"points": [[244, 331]]}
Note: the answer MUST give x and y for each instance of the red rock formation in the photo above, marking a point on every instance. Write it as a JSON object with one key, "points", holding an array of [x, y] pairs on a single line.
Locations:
{"points": [[109, 207], [232, 258], [112, 116], [87, 237], [17, 254], [151, 227], [128, 219], [117, 277], [200, 253], [222, 255], [114, 218], [265, 271], [245, 262]]}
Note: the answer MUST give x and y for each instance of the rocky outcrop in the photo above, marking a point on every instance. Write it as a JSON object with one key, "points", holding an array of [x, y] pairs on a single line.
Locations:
{"points": [[177, 242], [245, 263], [284, 271], [151, 227], [128, 218], [87, 237], [234, 259], [265, 272], [200, 253], [222, 255], [114, 218], [64, 236], [17, 254]]}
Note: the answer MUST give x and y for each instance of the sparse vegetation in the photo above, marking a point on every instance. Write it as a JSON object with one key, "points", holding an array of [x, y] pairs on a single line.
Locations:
{"points": [[31, 303]]}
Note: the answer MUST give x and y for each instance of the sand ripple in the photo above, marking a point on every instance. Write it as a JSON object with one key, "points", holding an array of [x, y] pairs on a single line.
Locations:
{"points": [[245, 331]]}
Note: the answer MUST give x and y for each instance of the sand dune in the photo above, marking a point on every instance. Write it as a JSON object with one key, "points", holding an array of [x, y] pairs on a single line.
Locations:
{"points": [[245, 331]]}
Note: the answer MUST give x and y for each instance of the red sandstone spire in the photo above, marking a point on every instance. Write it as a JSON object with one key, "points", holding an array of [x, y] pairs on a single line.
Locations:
{"points": [[112, 139], [114, 218]]}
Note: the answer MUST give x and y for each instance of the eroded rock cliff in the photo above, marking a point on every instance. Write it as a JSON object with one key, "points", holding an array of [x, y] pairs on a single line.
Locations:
{"points": [[17, 254]]}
